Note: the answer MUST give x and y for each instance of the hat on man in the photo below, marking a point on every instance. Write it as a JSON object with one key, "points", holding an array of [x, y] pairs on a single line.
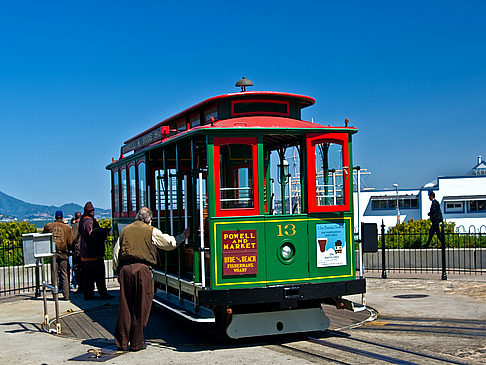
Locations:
{"points": [[88, 207], [59, 214]]}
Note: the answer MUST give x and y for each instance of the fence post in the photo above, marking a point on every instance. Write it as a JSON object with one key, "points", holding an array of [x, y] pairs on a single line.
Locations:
{"points": [[443, 246], [383, 270], [37, 279]]}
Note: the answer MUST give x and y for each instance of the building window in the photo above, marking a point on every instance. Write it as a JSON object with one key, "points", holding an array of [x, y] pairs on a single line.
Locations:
{"points": [[384, 203], [454, 207], [476, 206]]}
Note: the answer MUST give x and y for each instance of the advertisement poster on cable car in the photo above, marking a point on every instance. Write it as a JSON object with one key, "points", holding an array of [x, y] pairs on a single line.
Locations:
{"points": [[240, 252], [331, 244]]}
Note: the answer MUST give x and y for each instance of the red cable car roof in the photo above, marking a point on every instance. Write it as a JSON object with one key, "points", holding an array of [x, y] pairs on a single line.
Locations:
{"points": [[305, 101]]}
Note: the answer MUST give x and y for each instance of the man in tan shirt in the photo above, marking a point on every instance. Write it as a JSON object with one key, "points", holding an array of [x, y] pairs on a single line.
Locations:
{"points": [[63, 237], [134, 255]]}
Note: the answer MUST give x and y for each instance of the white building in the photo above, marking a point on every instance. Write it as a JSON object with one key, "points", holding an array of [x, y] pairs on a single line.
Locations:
{"points": [[462, 200]]}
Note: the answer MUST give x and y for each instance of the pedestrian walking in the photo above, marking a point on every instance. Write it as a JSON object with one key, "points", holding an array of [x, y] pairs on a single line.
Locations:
{"points": [[134, 255], [436, 218]]}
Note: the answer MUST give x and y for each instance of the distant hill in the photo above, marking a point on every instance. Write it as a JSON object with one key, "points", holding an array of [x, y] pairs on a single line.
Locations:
{"points": [[11, 207]]}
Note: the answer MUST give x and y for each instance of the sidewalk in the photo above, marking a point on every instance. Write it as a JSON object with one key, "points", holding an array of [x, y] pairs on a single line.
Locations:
{"points": [[24, 342]]}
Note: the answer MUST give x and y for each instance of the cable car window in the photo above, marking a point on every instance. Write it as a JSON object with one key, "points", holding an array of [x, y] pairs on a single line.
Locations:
{"points": [[142, 198], [329, 174], [211, 112], [328, 169], [116, 192], [133, 188], [195, 120], [181, 125], [124, 195], [236, 177], [273, 107]]}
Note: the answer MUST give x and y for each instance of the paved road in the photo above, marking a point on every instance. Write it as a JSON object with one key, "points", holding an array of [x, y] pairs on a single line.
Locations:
{"points": [[445, 319]]}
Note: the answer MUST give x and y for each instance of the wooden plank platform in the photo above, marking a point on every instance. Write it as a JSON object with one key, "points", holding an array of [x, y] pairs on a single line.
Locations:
{"points": [[99, 323]]}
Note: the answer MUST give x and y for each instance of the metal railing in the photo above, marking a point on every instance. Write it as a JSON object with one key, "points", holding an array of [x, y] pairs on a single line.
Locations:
{"points": [[462, 253], [17, 279]]}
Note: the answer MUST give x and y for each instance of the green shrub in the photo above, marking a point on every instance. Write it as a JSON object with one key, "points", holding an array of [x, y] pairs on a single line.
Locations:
{"points": [[11, 242]]}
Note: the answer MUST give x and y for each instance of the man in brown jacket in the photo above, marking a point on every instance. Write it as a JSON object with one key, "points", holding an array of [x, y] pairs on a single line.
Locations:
{"points": [[63, 237], [134, 255]]}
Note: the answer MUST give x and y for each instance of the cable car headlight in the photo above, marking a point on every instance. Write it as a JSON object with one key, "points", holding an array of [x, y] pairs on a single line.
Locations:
{"points": [[286, 252]]}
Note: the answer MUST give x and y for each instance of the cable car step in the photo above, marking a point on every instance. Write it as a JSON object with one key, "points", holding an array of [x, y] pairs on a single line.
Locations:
{"points": [[183, 307]]}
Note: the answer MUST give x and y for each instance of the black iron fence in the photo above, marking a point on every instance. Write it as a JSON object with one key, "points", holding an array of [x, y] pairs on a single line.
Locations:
{"points": [[460, 252], [15, 278]]}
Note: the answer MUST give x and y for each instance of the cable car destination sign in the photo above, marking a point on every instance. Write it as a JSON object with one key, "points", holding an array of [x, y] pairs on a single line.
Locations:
{"points": [[240, 252]]}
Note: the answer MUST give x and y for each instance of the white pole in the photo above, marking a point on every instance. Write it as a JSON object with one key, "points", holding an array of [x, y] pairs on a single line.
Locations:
{"points": [[171, 207], [201, 225], [334, 186], [273, 196], [185, 205], [358, 186], [290, 195], [158, 199]]}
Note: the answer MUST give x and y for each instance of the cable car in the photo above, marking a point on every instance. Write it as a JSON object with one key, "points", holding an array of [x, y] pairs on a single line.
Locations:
{"points": [[268, 199]]}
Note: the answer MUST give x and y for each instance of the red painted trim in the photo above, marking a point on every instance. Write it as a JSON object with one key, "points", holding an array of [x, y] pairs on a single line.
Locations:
{"points": [[305, 101], [142, 160], [311, 140], [219, 141], [283, 102]]}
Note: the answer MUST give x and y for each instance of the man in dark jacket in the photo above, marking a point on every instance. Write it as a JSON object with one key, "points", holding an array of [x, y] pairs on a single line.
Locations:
{"points": [[92, 248], [77, 264], [436, 218], [63, 238], [134, 255]]}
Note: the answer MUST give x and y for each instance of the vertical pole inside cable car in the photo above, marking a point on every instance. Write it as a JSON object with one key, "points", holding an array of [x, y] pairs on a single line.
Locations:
{"points": [[158, 203], [166, 198], [194, 216], [201, 225], [179, 211]]}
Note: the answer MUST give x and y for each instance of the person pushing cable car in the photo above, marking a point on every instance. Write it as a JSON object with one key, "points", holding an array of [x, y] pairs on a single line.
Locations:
{"points": [[134, 255]]}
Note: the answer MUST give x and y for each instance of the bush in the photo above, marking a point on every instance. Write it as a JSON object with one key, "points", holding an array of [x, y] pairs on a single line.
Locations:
{"points": [[414, 234], [11, 242], [110, 240]]}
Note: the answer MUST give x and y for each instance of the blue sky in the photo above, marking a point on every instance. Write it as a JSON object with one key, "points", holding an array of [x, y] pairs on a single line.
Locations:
{"points": [[79, 78]]}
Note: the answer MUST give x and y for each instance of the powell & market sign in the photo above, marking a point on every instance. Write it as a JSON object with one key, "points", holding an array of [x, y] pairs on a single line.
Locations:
{"points": [[240, 252]]}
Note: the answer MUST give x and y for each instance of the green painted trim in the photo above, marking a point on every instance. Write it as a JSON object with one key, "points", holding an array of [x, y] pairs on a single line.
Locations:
{"points": [[214, 279]]}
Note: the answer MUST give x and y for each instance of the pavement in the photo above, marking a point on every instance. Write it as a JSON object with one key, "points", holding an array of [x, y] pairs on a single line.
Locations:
{"points": [[24, 342]]}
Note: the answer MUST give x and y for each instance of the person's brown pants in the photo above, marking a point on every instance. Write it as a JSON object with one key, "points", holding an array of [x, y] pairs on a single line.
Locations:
{"points": [[136, 294], [63, 273]]}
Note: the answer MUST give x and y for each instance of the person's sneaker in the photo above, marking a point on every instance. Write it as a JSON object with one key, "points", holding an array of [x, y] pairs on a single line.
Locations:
{"points": [[106, 297]]}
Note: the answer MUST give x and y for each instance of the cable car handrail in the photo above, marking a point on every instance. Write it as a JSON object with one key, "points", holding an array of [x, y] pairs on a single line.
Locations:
{"points": [[227, 189]]}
